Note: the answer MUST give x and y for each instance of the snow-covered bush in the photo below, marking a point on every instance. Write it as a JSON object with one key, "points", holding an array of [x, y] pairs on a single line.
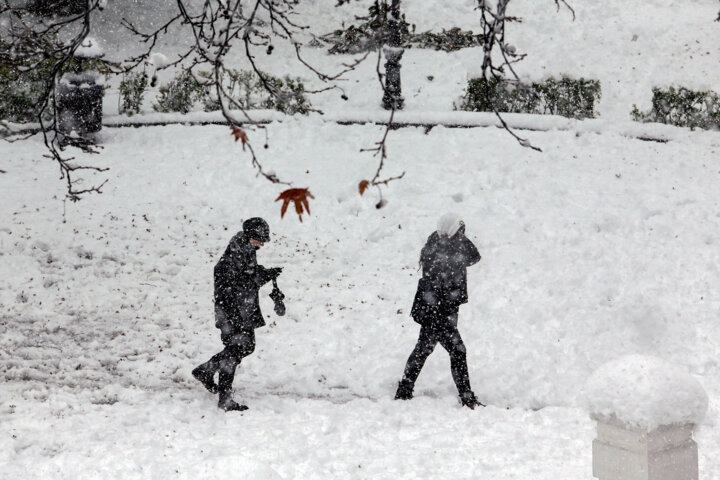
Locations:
{"points": [[447, 40], [59, 7], [132, 92], [372, 33], [368, 35], [243, 87], [288, 95], [180, 95], [682, 107], [568, 97], [21, 92]]}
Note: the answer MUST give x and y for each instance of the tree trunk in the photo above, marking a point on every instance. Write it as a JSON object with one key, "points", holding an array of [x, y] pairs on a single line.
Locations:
{"points": [[393, 51]]}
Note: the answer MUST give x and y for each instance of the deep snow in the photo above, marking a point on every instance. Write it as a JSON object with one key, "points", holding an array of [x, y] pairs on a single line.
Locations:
{"points": [[601, 246], [645, 392], [598, 247]]}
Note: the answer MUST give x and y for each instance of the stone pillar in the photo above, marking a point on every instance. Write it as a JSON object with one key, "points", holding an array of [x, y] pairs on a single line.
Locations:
{"points": [[646, 410], [624, 452]]}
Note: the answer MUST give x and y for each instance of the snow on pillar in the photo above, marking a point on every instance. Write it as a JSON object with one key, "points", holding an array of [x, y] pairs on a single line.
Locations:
{"points": [[646, 410]]}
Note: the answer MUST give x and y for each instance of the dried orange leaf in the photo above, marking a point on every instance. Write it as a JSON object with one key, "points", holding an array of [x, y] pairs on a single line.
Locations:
{"points": [[299, 197]]}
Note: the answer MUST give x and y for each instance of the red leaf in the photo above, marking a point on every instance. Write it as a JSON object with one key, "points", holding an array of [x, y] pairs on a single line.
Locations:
{"points": [[299, 196], [363, 186], [240, 134]]}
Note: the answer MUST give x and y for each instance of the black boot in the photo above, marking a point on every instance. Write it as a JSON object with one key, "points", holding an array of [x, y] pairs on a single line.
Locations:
{"points": [[469, 400], [225, 402], [405, 390], [204, 374]]}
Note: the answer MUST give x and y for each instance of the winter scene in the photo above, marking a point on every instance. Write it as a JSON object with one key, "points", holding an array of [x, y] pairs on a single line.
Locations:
{"points": [[360, 239]]}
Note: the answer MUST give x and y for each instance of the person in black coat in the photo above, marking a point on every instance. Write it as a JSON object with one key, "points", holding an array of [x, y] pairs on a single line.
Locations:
{"points": [[238, 279], [441, 290]]}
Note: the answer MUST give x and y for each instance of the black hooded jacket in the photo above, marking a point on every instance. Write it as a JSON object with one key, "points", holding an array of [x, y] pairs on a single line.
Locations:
{"points": [[238, 279], [443, 286]]}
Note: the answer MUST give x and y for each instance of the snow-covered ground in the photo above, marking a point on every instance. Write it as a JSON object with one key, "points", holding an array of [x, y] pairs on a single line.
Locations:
{"points": [[598, 247], [601, 246]]}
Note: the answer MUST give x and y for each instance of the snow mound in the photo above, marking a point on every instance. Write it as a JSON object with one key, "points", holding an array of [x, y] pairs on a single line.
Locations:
{"points": [[646, 392], [158, 60], [89, 48]]}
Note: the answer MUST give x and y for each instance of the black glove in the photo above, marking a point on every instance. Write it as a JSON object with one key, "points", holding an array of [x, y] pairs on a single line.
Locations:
{"points": [[277, 297], [273, 273]]}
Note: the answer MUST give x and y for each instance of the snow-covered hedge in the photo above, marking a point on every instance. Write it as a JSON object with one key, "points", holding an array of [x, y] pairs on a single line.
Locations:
{"points": [[568, 97], [185, 92], [682, 107]]}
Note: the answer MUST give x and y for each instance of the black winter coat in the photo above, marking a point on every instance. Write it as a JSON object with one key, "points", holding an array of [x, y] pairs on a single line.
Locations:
{"points": [[238, 279], [443, 286]]}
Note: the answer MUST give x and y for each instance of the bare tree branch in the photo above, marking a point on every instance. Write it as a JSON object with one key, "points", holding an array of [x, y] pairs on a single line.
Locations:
{"points": [[216, 28], [46, 47], [493, 34], [380, 148]]}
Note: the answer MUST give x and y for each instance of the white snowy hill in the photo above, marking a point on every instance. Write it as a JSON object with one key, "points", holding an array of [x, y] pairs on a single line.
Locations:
{"points": [[600, 246]]}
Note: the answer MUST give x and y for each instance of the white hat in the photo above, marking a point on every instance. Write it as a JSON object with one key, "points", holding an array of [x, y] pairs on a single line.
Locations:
{"points": [[449, 224]]}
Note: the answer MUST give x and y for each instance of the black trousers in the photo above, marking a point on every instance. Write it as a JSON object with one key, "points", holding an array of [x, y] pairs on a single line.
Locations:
{"points": [[238, 345], [443, 331]]}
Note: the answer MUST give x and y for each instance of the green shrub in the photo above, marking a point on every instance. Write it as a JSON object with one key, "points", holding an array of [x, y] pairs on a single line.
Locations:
{"points": [[248, 91], [568, 97], [288, 95], [21, 86], [371, 34], [240, 85], [180, 95], [58, 7], [132, 92], [447, 40], [367, 36], [682, 107], [21, 96]]}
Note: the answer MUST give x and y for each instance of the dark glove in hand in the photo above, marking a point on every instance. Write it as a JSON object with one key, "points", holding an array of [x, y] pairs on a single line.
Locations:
{"points": [[274, 273]]}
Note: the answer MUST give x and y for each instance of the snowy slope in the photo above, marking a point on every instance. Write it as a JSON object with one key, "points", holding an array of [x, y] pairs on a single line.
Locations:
{"points": [[598, 247]]}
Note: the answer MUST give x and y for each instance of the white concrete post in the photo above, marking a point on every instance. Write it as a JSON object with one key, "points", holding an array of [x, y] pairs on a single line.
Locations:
{"points": [[625, 452], [646, 410]]}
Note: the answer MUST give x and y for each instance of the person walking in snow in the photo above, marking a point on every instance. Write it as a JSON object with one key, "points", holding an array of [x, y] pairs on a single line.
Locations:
{"points": [[441, 290], [238, 279]]}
